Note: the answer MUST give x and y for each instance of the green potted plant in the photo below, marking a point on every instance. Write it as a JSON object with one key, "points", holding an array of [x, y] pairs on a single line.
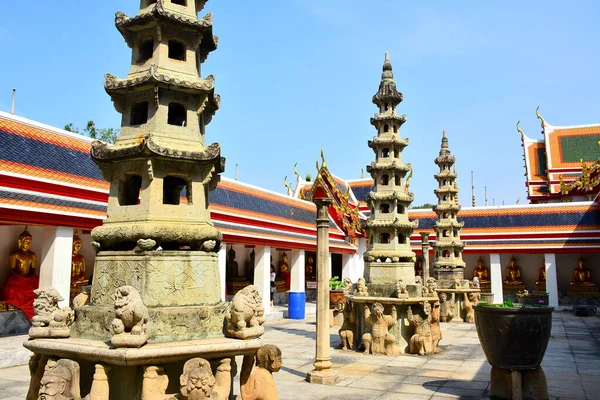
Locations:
{"points": [[336, 292], [539, 299], [513, 336]]}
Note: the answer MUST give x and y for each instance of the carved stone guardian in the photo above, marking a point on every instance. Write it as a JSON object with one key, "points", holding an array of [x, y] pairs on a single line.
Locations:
{"points": [[49, 320], [361, 287], [470, 299], [348, 286], [245, 315], [346, 331], [421, 342], [401, 291], [430, 287], [256, 382], [380, 341], [129, 326], [198, 382], [60, 381], [154, 383], [447, 307], [436, 331]]}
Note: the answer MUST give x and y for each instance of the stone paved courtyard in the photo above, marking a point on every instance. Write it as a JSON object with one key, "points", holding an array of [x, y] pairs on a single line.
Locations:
{"points": [[572, 365]]}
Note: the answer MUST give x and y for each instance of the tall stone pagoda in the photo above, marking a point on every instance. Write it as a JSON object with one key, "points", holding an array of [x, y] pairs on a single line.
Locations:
{"points": [[448, 263], [154, 314], [389, 257]]}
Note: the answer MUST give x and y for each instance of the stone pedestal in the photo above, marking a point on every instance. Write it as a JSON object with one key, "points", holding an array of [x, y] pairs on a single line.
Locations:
{"points": [[513, 288], [449, 274], [583, 291], [539, 288], [389, 272]]}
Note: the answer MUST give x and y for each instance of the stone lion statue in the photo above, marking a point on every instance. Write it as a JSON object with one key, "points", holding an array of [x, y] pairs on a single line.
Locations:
{"points": [[49, 319], [245, 315], [131, 318]]}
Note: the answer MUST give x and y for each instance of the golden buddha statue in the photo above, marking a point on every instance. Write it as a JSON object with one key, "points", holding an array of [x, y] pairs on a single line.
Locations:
{"points": [[284, 270], [541, 276], [311, 269], [481, 272], [77, 263], [22, 281], [419, 267], [513, 273], [581, 275]]}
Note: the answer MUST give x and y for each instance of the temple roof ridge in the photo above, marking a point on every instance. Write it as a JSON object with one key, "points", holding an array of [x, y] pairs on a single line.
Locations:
{"points": [[160, 75]]}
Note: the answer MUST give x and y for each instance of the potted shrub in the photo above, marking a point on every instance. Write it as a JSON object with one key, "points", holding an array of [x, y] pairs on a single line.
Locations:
{"points": [[540, 299], [336, 292], [513, 336]]}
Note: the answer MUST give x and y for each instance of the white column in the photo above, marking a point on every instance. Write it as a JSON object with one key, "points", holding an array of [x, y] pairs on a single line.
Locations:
{"points": [[551, 279], [496, 278], [55, 268], [347, 266], [222, 269], [360, 264], [297, 273], [262, 272]]}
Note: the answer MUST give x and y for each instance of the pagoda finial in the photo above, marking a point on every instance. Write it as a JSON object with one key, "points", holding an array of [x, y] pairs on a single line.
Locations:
{"points": [[387, 74], [537, 113], [444, 148]]}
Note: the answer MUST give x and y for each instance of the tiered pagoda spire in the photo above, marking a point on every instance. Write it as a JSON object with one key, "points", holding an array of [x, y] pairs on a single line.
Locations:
{"points": [[389, 227], [448, 262]]}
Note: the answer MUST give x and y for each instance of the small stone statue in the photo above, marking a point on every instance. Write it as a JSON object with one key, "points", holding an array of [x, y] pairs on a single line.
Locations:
{"points": [[129, 326], [421, 342], [154, 383], [257, 383], [470, 298], [418, 280], [447, 307], [60, 381], [348, 286], [198, 382], [431, 286], [380, 341], [245, 315], [361, 287], [457, 284], [49, 320], [346, 331], [476, 284], [401, 291], [436, 331]]}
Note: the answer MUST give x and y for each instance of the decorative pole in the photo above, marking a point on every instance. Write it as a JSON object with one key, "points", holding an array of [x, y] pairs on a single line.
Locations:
{"points": [[425, 249], [322, 374]]}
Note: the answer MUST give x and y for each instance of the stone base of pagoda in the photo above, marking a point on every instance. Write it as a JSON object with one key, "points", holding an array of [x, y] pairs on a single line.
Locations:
{"points": [[389, 272], [449, 275]]}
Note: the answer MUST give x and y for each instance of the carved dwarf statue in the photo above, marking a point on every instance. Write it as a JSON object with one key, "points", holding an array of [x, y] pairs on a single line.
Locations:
{"points": [[431, 286], [468, 306], [401, 291], [346, 331], [447, 307], [361, 287], [49, 320], [60, 381], [421, 342], [436, 331], [380, 341], [198, 382], [129, 326], [257, 383], [348, 286], [245, 315]]}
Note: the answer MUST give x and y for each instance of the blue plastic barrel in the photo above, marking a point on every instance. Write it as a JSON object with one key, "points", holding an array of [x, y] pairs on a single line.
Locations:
{"points": [[296, 302]]}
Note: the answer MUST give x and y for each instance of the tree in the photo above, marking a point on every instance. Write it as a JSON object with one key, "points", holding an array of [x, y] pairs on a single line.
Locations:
{"points": [[426, 205], [108, 135]]}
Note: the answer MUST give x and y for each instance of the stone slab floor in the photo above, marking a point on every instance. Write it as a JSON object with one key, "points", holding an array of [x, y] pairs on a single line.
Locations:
{"points": [[572, 365]]}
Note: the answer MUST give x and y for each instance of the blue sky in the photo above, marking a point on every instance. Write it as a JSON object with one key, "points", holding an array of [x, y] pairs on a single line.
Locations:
{"points": [[296, 75]]}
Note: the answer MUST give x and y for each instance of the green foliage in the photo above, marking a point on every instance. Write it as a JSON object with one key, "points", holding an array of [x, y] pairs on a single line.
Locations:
{"points": [[506, 304], [426, 205], [108, 135], [335, 283]]}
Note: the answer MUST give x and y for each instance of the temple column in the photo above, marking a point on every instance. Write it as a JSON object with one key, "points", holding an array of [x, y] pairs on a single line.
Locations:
{"points": [[496, 278], [551, 279], [55, 266], [262, 272], [323, 374], [362, 247], [297, 273], [223, 269], [425, 254]]}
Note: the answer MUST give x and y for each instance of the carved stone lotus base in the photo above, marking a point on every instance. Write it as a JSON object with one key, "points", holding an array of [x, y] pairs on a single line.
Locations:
{"points": [[247, 333], [323, 377], [128, 340], [46, 332]]}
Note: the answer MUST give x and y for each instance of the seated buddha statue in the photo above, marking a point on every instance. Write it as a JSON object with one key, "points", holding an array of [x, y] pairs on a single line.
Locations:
{"points": [[78, 278], [311, 269], [481, 272], [581, 275], [541, 276], [284, 270], [231, 267], [22, 281], [513, 273]]}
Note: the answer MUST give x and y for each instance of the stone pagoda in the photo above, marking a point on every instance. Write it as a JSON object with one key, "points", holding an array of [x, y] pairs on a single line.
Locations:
{"points": [[154, 317], [389, 257], [448, 263]]}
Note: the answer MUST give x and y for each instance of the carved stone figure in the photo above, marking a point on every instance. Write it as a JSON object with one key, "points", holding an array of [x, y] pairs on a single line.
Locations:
{"points": [[346, 331], [100, 388], [470, 298], [198, 382], [476, 284], [447, 307], [421, 342], [401, 291], [348, 286], [380, 341], [22, 281], [431, 286], [256, 382], [418, 280], [60, 381], [245, 315], [154, 383], [129, 326], [436, 331], [49, 320], [457, 284], [361, 287]]}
